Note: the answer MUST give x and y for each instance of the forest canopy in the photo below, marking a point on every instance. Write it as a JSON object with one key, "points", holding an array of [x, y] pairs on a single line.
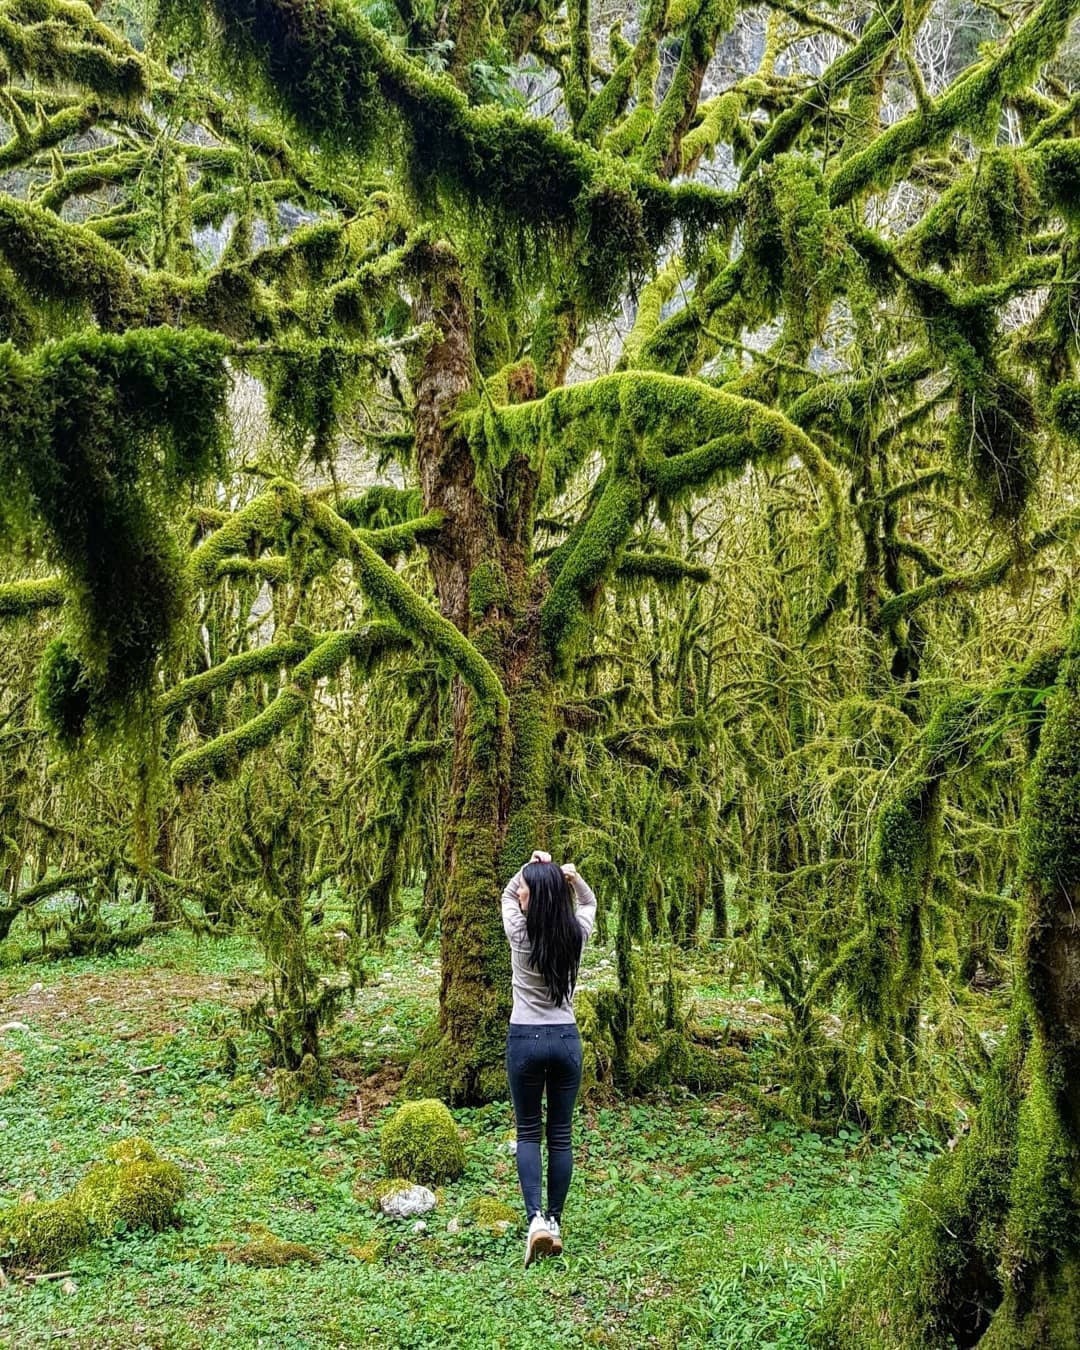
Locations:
{"points": [[651, 432]]}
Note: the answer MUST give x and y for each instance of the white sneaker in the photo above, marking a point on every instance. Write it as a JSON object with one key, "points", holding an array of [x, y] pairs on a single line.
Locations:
{"points": [[556, 1239], [538, 1241]]}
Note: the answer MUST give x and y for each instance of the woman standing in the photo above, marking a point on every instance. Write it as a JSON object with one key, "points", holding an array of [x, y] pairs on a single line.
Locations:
{"points": [[548, 913]]}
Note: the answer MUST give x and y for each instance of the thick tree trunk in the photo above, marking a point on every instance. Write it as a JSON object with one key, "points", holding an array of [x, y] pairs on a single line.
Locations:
{"points": [[499, 782]]}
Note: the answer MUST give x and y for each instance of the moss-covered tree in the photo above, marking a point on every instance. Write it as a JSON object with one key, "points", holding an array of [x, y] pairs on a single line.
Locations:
{"points": [[458, 256]]}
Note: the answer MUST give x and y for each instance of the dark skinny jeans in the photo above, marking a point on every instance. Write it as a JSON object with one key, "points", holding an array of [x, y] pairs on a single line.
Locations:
{"points": [[539, 1057]]}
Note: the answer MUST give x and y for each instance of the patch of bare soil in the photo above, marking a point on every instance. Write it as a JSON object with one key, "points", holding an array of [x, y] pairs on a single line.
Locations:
{"points": [[370, 1092], [134, 1003]]}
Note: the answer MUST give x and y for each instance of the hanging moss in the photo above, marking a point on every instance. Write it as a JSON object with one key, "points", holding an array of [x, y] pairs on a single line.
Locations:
{"points": [[898, 897], [95, 438], [310, 390], [1065, 410], [65, 694], [995, 220], [343, 82], [993, 434], [792, 250]]}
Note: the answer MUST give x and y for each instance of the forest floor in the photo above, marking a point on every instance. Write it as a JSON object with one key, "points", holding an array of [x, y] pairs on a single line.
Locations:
{"points": [[689, 1222]]}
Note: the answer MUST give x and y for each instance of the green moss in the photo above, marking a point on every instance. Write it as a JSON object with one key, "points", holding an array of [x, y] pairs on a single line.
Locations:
{"points": [[421, 1141], [487, 589], [247, 1118], [1065, 410], [265, 1251], [131, 1192], [133, 1189], [487, 1212], [43, 1234], [96, 434]]}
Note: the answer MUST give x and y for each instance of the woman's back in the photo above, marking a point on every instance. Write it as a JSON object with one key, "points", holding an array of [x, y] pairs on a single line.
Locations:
{"points": [[533, 1003]]}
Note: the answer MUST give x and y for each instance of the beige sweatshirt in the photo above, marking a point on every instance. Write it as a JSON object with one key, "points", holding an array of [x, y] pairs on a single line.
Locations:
{"points": [[532, 1002]]}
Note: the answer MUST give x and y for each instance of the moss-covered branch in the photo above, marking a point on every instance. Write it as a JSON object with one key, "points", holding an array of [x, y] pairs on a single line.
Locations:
{"points": [[258, 661], [421, 620], [650, 419], [972, 103], [880, 34], [665, 568], [898, 607], [62, 42], [260, 519], [221, 757], [50, 131], [27, 597]]}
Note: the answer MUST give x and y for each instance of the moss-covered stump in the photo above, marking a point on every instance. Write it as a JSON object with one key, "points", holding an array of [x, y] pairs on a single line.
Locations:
{"points": [[132, 1189], [420, 1142]]}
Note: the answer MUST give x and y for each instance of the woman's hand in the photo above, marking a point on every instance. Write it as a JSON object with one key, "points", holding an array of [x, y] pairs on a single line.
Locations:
{"points": [[570, 872], [540, 856]]}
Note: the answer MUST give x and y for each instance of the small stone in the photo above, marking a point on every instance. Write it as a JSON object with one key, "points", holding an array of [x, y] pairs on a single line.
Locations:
{"points": [[408, 1202], [68, 1286], [454, 1227], [419, 1226], [508, 1146], [14, 1026], [36, 988]]}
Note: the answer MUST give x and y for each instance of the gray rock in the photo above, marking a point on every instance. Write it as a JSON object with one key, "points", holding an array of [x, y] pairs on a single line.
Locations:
{"points": [[454, 1227], [408, 1202]]}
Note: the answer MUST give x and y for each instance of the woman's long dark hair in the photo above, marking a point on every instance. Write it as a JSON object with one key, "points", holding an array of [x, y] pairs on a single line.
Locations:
{"points": [[555, 935]]}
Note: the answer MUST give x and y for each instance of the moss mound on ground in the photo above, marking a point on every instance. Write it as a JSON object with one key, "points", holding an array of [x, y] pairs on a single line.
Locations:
{"points": [[421, 1142], [266, 1251], [42, 1234], [133, 1188], [487, 1212]]}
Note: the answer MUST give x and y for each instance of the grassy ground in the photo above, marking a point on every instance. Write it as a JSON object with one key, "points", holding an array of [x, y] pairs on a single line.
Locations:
{"points": [[688, 1223]]}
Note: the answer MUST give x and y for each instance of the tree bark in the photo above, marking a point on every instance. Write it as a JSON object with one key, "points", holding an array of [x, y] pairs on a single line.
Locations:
{"points": [[499, 779]]}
